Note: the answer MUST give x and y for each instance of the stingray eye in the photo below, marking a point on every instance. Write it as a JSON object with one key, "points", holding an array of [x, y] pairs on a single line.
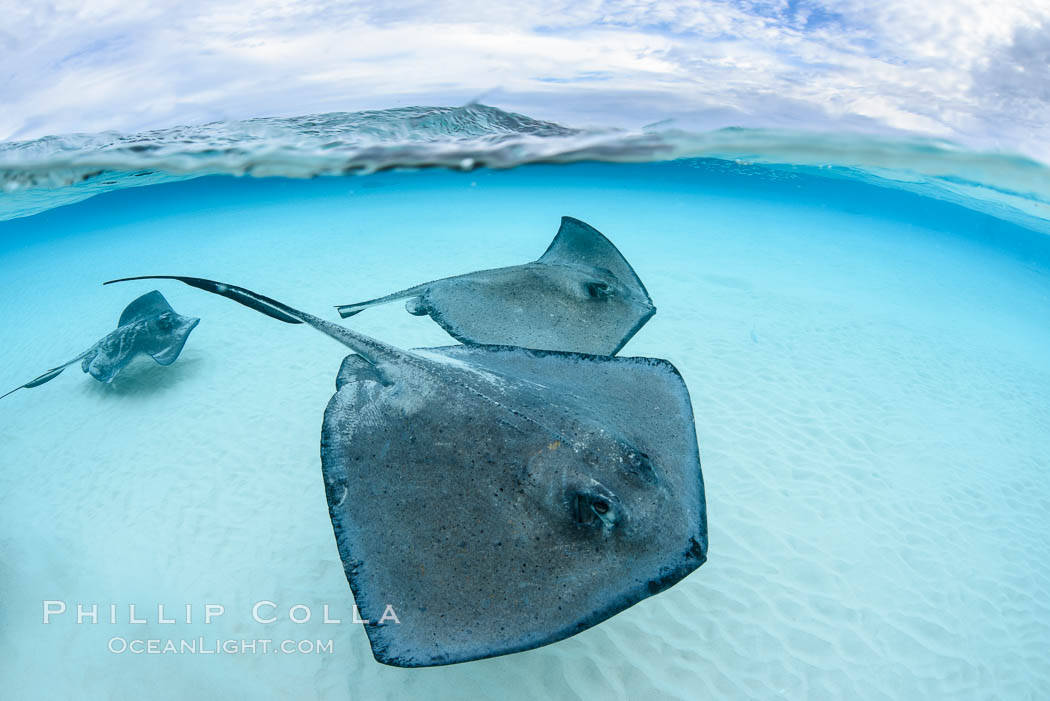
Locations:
{"points": [[165, 322], [597, 289], [595, 507]]}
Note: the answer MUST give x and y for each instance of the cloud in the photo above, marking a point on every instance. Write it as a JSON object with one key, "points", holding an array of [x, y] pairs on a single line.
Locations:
{"points": [[953, 69], [1019, 73]]}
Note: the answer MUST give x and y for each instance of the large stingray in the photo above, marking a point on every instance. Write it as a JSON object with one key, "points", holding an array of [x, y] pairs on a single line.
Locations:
{"points": [[148, 326], [497, 498], [581, 295]]}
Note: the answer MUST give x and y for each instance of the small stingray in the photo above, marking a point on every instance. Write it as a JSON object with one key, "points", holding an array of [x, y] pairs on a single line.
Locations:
{"points": [[500, 498], [148, 326], [581, 295]]}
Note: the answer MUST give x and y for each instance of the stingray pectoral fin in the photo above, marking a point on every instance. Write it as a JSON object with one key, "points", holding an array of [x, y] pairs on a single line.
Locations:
{"points": [[372, 350], [169, 355], [348, 310], [356, 369], [177, 341], [46, 377], [147, 306], [579, 243]]}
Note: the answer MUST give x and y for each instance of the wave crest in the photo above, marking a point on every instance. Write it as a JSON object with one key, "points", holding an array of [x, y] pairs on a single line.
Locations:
{"points": [[56, 170]]}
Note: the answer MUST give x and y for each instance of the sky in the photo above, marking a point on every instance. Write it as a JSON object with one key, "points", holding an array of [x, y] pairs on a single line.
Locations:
{"points": [[970, 71]]}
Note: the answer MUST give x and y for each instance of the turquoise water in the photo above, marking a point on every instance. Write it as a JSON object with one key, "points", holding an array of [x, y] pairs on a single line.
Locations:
{"points": [[865, 346]]}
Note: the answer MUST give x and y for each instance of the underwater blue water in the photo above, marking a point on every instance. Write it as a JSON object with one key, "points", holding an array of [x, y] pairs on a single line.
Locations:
{"points": [[869, 374]]}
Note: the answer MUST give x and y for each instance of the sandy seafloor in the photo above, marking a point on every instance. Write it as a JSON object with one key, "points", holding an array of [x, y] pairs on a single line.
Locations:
{"points": [[869, 372]]}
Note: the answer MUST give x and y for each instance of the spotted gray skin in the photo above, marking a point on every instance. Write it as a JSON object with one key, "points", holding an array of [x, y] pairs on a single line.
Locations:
{"points": [[581, 295], [148, 326], [498, 498]]}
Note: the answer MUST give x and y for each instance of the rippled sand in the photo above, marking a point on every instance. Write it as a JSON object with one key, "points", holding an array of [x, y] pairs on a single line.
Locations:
{"points": [[869, 376]]}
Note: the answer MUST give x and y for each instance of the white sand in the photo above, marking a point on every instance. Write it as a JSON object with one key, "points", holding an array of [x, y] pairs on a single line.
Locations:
{"points": [[872, 401]]}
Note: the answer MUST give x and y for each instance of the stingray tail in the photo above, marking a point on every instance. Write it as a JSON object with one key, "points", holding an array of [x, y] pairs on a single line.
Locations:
{"points": [[252, 300], [372, 350], [348, 310], [46, 377]]}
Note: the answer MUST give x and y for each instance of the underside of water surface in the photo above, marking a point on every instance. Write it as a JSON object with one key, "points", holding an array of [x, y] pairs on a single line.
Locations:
{"points": [[868, 369]]}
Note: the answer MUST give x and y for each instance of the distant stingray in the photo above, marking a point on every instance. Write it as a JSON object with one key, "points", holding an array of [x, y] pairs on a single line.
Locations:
{"points": [[148, 326], [581, 295], [497, 499]]}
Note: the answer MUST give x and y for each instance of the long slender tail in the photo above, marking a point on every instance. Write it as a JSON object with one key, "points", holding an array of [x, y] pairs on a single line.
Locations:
{"points": [[348, 310], [372, 350], [269, 307], [46, 377]]}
